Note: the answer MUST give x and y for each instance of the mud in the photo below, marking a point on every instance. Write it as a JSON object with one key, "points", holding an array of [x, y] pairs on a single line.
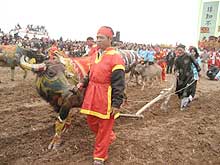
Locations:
{"points": [[164, 136]]}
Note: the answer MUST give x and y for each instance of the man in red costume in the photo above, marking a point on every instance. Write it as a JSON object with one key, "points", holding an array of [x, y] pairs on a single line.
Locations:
{"points": [[161, 60], [104, 93]]}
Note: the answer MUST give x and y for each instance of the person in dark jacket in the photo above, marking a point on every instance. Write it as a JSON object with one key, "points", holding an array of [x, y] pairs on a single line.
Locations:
{"points": [[184, 75], [170, 61]]}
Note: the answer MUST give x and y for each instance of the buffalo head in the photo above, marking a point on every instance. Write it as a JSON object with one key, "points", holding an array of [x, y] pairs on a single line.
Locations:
{"points": [[55, 82], [54, 79]]}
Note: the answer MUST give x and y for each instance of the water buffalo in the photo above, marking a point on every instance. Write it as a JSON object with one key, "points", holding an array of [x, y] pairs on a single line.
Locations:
{"points": [[148, 72], [10, 57], [131, 59], [56, 83]]}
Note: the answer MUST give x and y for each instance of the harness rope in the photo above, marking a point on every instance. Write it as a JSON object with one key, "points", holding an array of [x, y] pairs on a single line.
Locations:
{"points": [[187, 86], [167, 95]]}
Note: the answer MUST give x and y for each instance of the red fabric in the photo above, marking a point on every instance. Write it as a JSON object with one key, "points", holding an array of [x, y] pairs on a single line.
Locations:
{"points": [[93, 50], [81, 66], [163, 66], [217, 63], [105, 31], [96, 97], [214, 59], [96, 101], [104, 135], [209, 63], [160, 57]]}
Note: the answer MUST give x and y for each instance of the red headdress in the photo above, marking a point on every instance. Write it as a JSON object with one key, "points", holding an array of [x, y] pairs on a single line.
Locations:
{"points": [[105, 31]]}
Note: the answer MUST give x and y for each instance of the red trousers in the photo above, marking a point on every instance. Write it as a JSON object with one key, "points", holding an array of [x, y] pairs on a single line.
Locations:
{"points": [[104, 135], [163, 65]]}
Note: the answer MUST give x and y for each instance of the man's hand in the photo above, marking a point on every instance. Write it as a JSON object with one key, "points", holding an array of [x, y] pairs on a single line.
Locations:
{"points": [[115, 112], [77, 88]]}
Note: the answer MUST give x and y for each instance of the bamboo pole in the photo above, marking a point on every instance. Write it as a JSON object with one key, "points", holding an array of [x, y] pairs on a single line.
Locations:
{"points": [[131, 115], [159, 97]]}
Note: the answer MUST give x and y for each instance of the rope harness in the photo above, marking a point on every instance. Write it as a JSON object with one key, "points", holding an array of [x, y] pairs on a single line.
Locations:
{"points": [[168, 95]]}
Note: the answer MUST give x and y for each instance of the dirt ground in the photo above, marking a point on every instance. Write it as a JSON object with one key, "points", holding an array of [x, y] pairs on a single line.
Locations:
{"points": [[166, 136]]}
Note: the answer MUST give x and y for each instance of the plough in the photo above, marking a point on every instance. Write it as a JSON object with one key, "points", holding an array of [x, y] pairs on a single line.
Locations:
{"points": [[165, 93]]}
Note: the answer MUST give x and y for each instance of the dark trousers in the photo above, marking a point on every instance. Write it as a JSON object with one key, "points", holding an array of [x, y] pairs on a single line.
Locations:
{"points": [[182, 88], [193, 89], [169, 68], [151, 63]]}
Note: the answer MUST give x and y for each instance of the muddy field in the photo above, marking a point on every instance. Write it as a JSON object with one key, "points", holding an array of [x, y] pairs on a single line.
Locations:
{"points": [[163, 137]]}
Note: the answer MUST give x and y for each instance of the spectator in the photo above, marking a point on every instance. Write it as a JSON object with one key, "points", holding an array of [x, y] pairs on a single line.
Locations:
{"points": [[161, 60], [170, 61], [204, 57], [195, 54], [184, 75]]}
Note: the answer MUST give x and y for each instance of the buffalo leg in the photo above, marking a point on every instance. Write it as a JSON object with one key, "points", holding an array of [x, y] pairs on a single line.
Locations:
{"points": [[61, 125], [129, 79], [143, 83]]}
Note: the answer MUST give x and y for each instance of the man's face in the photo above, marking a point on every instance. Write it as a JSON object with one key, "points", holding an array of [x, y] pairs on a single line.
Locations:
{"points": [[89, 42], [103, 41], [180, 51]]}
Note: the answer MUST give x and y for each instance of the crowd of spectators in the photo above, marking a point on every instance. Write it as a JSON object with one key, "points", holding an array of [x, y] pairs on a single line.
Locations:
{"points": [[69, 47], [209, 47], [210, 43], [78, 48], [72, 48]]}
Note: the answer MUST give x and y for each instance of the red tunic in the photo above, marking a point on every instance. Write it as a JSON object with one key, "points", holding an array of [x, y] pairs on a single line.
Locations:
{"points": [[97, 100]]}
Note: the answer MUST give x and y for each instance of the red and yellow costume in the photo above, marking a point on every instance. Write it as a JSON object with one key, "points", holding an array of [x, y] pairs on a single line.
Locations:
{"points": [[104, 90], [160, 57]]}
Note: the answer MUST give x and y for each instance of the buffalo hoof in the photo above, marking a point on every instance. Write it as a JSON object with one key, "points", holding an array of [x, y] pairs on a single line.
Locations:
{"points": [[55, 143], [66, 127]]}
